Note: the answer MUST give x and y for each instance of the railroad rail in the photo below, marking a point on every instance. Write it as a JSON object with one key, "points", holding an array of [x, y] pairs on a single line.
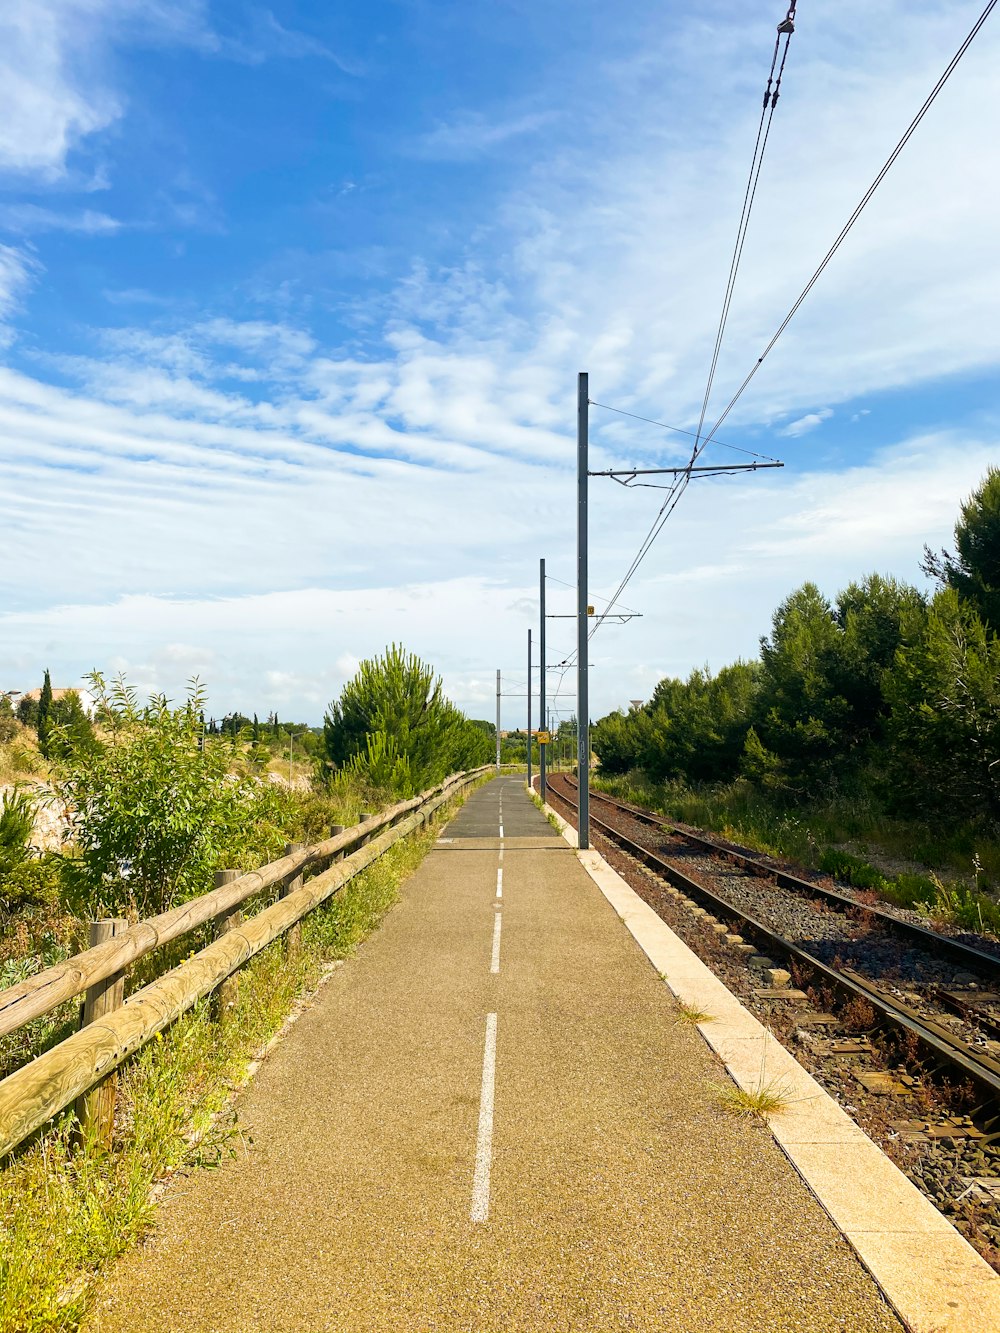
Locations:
{"points": [[943, 1046]]}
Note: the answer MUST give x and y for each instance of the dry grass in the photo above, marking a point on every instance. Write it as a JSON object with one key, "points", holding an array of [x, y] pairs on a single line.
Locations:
{"points": [[691, 1014], [766, 1099]]}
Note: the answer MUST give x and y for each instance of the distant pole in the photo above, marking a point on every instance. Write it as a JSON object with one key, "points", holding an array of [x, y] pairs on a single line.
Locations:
{"points": [[498, 719], [541, 678], [292, 738], [582, 622], [529, 707]]}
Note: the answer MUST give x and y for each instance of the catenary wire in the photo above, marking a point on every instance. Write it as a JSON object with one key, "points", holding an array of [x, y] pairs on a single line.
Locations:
{"points": [[674, 495], [842, 236], [650, 421], [749, 197]]}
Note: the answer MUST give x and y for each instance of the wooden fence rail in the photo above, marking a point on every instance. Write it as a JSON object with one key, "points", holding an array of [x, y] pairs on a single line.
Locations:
{"points": [[40, 994], [32, 1095]]}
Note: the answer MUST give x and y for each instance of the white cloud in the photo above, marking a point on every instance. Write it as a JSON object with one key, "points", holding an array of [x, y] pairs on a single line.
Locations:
{"points": [[25, 219], [471, 134], [47, 103], [805, 424], [17, 269], [235, 495], [264, 38]]}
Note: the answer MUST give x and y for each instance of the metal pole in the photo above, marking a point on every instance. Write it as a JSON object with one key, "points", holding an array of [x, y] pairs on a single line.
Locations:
{"points": [[541, 679], [582, 623], [529, 708], [498, 719]]}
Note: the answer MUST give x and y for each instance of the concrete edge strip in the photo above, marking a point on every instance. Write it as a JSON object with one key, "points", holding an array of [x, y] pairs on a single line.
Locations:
{"points": [[930, 1275]]}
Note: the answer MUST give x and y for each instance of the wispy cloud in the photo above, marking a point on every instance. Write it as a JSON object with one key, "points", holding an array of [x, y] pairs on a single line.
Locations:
{"points": [[263, 38], [803, 425], [17, 270], [472, 134], [25, 219]]}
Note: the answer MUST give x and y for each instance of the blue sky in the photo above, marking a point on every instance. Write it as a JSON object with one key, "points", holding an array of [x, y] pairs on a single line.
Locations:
{"points": [[293, 298]]}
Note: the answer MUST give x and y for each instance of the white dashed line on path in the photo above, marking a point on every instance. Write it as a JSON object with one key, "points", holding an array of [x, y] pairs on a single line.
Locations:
{"points": [[500, 883], [495, 963], [484, 1138]]}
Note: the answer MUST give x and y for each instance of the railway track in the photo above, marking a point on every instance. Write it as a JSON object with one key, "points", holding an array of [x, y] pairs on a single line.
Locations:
{"points": [[943, 992]]}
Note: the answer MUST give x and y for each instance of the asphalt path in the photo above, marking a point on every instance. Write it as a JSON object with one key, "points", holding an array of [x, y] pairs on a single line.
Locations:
{"points": [[492, 1119]]}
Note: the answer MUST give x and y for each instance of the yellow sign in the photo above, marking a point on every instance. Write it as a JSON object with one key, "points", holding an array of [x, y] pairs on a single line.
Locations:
{"points": [[542, 737], [590, 610]]}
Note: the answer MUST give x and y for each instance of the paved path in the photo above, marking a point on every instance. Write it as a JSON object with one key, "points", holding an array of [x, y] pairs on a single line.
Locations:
{"points": [[607, 1190]]}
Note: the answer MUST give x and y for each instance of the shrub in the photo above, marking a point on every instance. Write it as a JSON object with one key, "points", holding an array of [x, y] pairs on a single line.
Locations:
{"points": [[156, 809]]}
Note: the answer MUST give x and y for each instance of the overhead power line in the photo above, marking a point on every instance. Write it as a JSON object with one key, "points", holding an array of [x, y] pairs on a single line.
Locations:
{"points": [[785, 29], [842, 236], [680, 483], [678, 430], [676, 491]]}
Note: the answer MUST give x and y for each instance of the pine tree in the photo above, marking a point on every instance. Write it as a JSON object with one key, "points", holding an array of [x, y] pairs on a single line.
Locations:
{"points": [[44, 721], [974, 568]]}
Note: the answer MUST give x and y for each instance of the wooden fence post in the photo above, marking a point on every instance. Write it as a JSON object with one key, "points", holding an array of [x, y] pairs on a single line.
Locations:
{"points": [[336, 829], [95, 1110], [362, 816], [294, 936], [227, 992]]}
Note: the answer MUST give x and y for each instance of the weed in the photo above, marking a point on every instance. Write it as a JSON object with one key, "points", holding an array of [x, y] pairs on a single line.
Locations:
{"points": [[758, 1103], [858, 1015], [690, 1013]]}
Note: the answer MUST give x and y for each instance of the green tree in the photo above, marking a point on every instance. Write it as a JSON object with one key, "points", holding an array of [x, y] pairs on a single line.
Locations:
{"points": [[944, 726], [398, 697], [871, 615], [617, 741], [44, 722], [8, 720], [69, 726], [27, 880], [802, 718], [27, 712], [973, 569], [154, 814]]}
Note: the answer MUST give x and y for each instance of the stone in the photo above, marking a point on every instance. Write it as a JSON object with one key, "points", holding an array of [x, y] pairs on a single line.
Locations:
{"points": [[761, 963]]}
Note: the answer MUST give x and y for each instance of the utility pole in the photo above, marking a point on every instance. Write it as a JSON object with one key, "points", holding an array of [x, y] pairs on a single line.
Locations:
{"points": [[582, 623], [541, 679], [498, 719], [529, 708], [291, 740]]}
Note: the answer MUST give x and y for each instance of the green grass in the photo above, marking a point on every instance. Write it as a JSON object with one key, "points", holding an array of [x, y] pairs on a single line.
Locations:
{"points": [[691, 1014], [754, 1103], [951, 875], [64, 1214]]}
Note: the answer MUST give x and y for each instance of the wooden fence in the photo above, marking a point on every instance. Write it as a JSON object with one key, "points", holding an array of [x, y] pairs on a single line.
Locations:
{"points": [[113, 1030]]}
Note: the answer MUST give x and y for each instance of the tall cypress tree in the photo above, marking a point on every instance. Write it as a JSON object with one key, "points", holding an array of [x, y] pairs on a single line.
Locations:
{"points": [[44, 711]]}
